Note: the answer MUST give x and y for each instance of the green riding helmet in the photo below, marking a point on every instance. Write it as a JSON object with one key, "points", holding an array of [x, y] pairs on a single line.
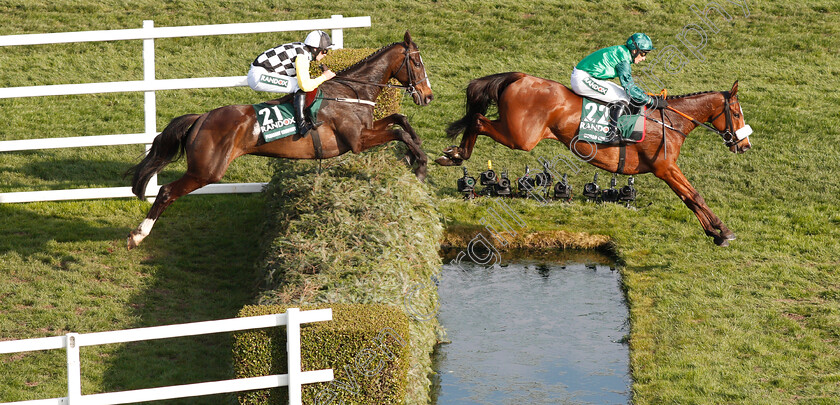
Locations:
{"points": [[640, 41]]}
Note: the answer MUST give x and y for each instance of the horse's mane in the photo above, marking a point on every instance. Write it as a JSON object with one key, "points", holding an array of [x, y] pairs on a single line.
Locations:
{"points": [[369, 57], [691, 94]]}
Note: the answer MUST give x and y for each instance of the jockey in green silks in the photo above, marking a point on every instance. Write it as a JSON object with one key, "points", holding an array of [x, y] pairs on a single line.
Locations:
{"points": [[590, 79]]}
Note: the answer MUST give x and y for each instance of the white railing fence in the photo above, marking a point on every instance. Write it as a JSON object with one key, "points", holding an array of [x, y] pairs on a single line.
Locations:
{"points": [[72, 342], [148, 86]]}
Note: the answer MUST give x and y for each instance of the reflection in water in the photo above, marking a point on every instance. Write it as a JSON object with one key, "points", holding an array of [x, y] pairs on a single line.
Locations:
{"points": [[531, 333]]}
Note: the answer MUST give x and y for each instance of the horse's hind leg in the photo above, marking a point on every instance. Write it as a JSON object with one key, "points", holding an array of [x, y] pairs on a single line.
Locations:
{"points": [[200, 172], [497, 130], [456, 155], [166, 196]]}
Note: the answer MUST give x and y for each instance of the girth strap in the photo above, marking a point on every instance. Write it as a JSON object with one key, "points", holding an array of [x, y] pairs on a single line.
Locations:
{"points": [[622, 155], [316, 143]]}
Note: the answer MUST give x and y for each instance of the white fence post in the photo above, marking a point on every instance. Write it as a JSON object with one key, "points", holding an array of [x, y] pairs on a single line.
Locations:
{"points": [[337, 34], [72, 342], [148, 33], [293, 355], [149, 98], [74, 370]]}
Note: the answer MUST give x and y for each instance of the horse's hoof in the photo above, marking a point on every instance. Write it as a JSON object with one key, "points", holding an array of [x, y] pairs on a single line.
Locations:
{"points": [[453, 152], [134, 239], [729, 235], [446, 161], [721, 242]]}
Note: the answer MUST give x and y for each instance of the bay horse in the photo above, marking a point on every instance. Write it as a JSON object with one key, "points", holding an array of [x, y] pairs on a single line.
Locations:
{"points": [[211, 141], [531, 109]]}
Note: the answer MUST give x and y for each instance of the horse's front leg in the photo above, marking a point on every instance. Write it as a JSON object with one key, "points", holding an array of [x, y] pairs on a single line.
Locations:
{"points": [[402, 121], [713, 226], [380, 134]]}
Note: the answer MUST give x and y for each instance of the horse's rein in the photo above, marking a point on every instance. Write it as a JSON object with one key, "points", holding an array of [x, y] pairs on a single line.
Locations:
{"points": [[664, 93], [695, 121], [350, 100], [409, 88], [726, 134]]}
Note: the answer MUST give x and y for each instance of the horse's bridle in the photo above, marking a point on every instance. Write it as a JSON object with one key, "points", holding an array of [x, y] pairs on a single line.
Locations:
{"points": [[729, 135], [409, 88]]}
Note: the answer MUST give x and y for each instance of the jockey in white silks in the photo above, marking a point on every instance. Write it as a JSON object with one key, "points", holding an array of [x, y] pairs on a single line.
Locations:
{"points": [[285, 69]]}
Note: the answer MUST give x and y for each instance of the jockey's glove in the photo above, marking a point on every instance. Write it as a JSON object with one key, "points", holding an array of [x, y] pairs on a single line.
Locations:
{"points": [[658, 102]]}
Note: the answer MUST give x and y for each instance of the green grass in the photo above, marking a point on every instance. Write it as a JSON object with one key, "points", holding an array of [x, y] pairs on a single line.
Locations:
{"points": [[65, 269], [754, 323], [363, 232]]}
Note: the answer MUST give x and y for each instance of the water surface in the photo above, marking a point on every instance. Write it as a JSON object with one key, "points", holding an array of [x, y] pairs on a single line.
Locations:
{"points": [[532, 333]]}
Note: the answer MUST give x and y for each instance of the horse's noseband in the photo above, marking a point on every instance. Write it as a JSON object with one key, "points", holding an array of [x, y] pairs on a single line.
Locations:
{"points": [[730, 137], [410, 88]]}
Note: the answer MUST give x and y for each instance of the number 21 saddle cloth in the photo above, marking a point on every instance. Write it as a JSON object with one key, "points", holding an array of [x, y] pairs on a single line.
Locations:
{"points": [[276, 121]]}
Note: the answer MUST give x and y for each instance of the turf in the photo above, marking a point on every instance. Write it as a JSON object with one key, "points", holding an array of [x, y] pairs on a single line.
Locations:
{"points": [[757, 322]]}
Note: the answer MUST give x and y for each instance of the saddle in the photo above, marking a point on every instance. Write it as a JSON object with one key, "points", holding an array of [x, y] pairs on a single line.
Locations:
{"points": [[276, 117], [311, 97], [594, 122]]}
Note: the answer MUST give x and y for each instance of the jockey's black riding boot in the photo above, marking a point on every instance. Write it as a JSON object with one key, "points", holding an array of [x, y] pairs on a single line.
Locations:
{"points": [[299, 104], [614, 134]]}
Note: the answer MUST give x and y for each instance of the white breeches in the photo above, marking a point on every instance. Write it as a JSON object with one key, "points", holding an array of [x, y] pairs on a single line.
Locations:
{"points": [[260, 79]]}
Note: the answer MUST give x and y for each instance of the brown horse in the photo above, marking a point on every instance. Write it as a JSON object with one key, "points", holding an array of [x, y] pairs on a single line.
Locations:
{"points": [[532, 109], [211, 141]]}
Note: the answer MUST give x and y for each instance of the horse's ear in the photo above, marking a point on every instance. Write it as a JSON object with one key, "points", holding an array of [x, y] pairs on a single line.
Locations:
{"points": [[734, 88], [407, 38]]}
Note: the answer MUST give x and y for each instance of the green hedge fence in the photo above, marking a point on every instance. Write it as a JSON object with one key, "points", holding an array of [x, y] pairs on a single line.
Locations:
{"points": [[363, 230]]}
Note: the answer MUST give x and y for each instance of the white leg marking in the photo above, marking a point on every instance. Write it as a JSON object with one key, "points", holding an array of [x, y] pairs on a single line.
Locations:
{"points": [[142, 231], [146, 226]]}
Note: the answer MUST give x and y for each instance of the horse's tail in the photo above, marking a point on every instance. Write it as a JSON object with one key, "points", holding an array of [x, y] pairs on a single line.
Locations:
{"points": [[481, 93], [166, 148]]}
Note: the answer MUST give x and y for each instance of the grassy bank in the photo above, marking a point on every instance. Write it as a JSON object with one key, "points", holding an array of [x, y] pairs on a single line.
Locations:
{"points": [[754, 323], [365, 231]]}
